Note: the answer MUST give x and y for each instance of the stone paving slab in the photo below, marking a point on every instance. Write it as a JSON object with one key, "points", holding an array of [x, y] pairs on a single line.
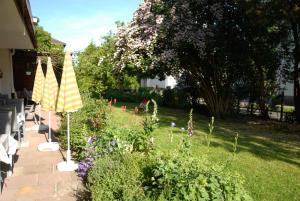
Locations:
{"points": [[35, 177]]}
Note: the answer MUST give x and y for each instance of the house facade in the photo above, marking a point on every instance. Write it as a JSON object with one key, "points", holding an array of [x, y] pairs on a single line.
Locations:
{"points": [[16, 32], [169, 81]]}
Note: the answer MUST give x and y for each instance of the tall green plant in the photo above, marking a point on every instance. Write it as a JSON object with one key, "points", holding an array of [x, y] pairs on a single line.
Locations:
{"points": [[210, 129]]}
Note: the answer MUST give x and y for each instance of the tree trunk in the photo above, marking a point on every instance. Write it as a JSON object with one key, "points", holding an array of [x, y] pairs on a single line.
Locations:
{"points": [[262, 94], [296, 54], [217, 104]]}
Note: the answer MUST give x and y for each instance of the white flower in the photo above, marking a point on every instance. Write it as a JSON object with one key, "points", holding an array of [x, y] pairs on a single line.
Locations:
{"points": [[173, 124]]}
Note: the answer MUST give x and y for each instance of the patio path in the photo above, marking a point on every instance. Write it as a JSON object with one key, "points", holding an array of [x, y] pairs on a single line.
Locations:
{"points": [[35, 177]]}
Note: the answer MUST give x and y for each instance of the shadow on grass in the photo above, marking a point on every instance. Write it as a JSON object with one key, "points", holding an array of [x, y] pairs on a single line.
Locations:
{"points": [[268, 140], [262, 141]]}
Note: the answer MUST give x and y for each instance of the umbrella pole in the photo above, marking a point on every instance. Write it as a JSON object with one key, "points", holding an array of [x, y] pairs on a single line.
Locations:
{"points": [[69, 150], [67, 165], [39, 114], [49, 146], [49, 120]]}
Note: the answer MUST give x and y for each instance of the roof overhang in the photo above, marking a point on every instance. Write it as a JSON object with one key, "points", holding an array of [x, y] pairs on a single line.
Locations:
{"points": [[16, 27]]}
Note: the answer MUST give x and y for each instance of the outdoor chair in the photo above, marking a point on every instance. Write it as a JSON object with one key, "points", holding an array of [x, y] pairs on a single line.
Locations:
{"points": [[14, 125], [20, 115], [2, 101], [4, 96], [7, 143]]}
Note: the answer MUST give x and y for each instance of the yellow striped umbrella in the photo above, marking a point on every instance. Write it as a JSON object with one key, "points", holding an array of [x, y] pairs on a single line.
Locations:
{"points": [[39, 80], [37, 93], [69, 100], [50, 89], [48, 104]]}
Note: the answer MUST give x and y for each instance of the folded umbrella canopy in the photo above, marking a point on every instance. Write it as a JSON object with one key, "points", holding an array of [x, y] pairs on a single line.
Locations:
{"points": [[48, 103], [37, 93], [68, 100], [38, 85]]}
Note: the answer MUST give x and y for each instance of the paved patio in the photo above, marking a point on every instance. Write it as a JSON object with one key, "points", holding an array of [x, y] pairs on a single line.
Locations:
{"points": [[35, 177]]}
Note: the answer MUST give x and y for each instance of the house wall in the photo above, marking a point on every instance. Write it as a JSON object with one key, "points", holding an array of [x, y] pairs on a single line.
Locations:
{"points": [[156, 83], [288, 89], [171, 82], [6, 82]]}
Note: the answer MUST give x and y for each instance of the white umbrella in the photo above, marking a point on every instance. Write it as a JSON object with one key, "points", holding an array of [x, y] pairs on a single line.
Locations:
{"points": [[68, 100]]}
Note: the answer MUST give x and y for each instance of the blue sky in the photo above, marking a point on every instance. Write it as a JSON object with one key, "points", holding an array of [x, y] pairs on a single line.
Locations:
{"points": [[78, 22]]}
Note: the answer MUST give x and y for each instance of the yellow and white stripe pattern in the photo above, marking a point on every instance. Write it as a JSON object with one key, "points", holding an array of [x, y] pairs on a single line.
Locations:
{"points": [[38, 86], [50, 89], [69, 99]]}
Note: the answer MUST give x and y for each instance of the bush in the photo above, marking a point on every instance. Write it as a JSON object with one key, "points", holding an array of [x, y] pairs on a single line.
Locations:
{"points": [[176, 98], [135, 176], [117, 177], [135, 96], [182, 177], [83, 124]]}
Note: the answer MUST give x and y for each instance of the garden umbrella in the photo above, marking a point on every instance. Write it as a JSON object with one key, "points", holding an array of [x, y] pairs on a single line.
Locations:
{"points": [[37, 92], [68, 100], [48, 103]]}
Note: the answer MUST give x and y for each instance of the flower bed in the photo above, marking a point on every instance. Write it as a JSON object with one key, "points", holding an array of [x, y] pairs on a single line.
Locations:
{"points": [[121, 163]]}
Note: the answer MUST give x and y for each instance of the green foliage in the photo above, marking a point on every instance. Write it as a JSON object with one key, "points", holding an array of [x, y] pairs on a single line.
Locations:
{"points": [[136, 96], [45, 45], [43, 39], [95, 67], [177, 98], [84, 124], [151, 122], [117, 177], [178, 177], [130, 82], [113, 139], [211, 129]]}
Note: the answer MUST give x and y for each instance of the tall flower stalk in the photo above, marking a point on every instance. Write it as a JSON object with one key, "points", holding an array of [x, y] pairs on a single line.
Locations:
{"points": [[211, 129]]}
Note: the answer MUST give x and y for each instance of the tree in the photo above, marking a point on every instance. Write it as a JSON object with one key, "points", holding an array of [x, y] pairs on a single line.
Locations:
{"points": [[285, 16], [45, 45], [95, 67], [216, 47]]}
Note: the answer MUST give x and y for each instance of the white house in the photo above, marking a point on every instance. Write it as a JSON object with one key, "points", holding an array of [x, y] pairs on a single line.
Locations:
{"points": [[170, 81], [16, 32]]}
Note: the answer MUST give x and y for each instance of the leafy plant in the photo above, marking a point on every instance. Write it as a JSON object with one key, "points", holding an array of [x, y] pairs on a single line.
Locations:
{"points": [[151, 122], [117, 177], [84, 123], [178, 177]]}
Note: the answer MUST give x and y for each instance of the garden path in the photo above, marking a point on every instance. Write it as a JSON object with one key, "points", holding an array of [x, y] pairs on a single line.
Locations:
{"points": [[35, 176]]}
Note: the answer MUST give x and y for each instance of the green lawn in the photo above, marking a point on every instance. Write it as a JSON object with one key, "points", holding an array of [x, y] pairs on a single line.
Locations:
{"points": [[268, 155]]}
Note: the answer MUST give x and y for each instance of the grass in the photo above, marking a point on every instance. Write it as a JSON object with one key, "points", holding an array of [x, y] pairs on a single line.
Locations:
{"points": [[286, 108], [268, 153]]}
